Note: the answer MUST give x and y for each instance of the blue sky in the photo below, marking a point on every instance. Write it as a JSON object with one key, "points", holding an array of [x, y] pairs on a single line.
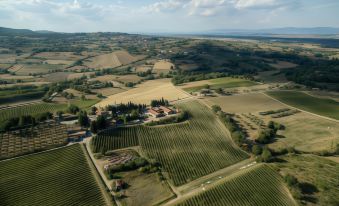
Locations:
{"points": [[178, 16]]}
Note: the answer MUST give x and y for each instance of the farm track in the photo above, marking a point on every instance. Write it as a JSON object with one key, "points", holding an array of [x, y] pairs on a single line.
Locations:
{"points": [[214, 177], [98, 170], [96, 174], [311, 113], [210, 180]]}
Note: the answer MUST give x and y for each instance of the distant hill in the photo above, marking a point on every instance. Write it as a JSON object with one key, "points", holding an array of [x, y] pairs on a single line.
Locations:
{"points": [[8, 32], [277, 31]]}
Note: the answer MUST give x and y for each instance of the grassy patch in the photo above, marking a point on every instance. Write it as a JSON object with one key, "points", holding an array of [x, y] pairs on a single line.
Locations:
{"points": [[145, 189], [59, 177], [325, 107], [318, 178]]}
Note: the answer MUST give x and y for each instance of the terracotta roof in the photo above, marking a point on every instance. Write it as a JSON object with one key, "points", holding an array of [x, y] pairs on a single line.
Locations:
{"points": [[165, 109], [152, 111]]}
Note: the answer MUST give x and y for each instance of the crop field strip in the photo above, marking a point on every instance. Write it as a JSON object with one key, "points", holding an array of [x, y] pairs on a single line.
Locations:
{"points": [[14, 143], [58, 177], [186, 151], [30, 110], [38, 108], [300, 100], [256, 186]]}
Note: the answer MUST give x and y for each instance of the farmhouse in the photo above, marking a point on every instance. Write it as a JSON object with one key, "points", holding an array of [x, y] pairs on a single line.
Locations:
{"points": [[154, 113], [166, 110], [102, 112], [160, 111]]}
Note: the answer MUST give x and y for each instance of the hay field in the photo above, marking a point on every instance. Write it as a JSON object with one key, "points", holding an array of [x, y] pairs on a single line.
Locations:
{"points": [[111, 60], [26, 69], [69, 56], [109, 91], [245, 103], [9, 77], [145, 92], [307, 133], [143, 68], [57, 61], [162, 66], [7, 58], [78, 75]]}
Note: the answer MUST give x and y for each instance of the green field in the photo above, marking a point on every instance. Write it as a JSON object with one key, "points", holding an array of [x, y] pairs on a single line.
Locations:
{"points": [[318, 178], [58, 177], [186, 151], [34, 109], [225, 82], [325, 107], [257, 185]]}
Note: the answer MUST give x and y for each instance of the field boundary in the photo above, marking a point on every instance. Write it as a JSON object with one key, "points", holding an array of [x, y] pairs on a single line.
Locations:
{"points": [[101, 183], [35, 153]]}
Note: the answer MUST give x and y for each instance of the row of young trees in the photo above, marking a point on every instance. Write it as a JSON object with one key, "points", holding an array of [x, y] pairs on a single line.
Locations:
{"points": [[239, 137], [24, 120]]}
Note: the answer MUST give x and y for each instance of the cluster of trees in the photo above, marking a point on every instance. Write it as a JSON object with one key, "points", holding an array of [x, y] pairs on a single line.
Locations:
{"points": [[125, 108], [263, 154], [99, 124], [323, 74], [160, 102], [237, 134], [24, 120], [131, 165], [144, 74], [267, 135]]}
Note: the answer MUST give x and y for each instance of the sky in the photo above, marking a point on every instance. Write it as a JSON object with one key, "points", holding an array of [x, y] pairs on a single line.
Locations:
{"points": [[166, 16]]}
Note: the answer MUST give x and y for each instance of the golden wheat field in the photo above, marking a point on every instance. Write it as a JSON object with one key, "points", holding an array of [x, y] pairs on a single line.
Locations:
{"points": [[144, 93]]}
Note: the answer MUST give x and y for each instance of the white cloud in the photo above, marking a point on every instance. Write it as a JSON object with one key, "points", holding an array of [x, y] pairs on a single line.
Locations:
{"points": [[241, 4], [163, 6], [213, 7]]}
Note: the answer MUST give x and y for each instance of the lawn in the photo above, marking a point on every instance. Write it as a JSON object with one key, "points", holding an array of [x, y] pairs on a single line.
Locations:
{"points": [[58, 177], [324, 107]]}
